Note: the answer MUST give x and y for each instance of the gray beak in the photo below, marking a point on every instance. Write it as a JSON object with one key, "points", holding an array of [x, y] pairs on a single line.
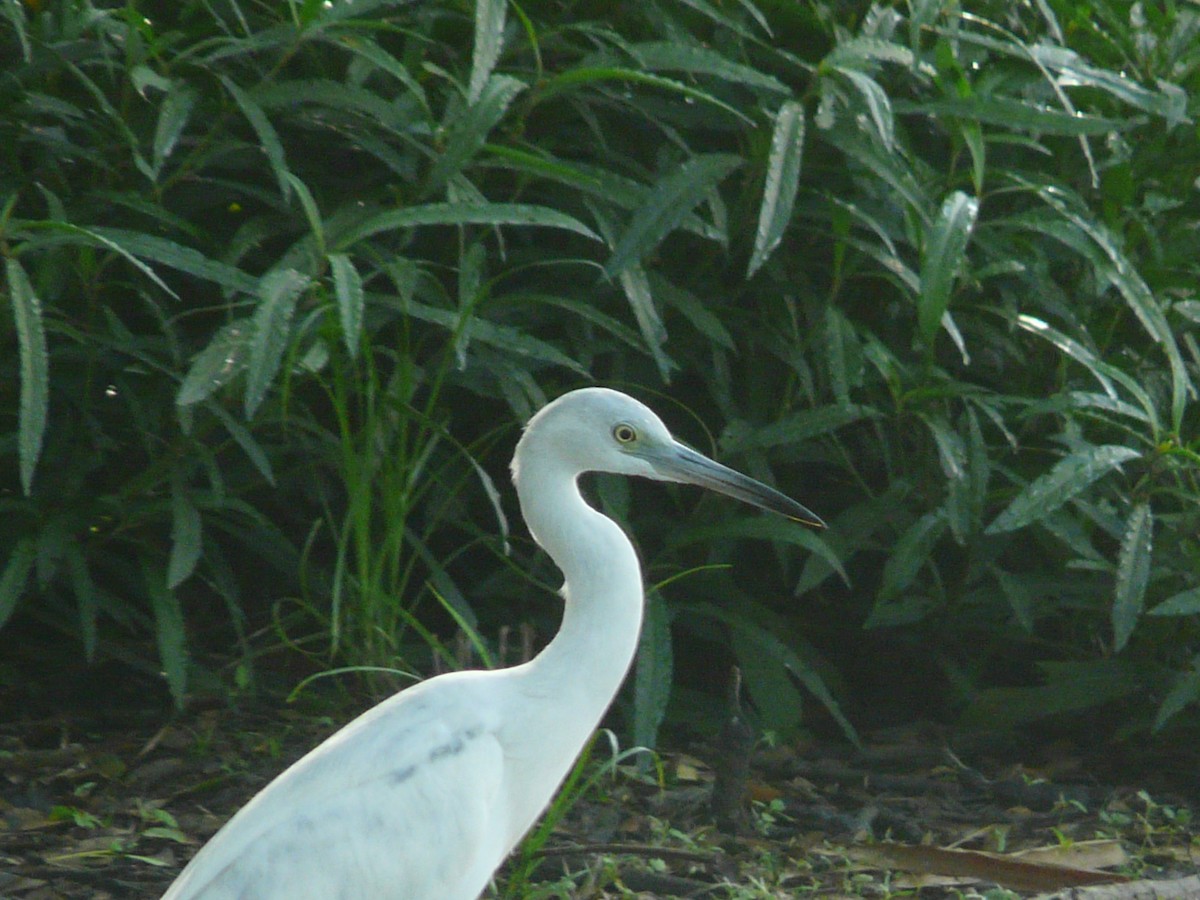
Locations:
{"points": [[679, 463]]}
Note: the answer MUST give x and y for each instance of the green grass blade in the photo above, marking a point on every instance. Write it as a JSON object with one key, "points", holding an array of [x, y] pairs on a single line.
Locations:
{"points": [[782, 180], [1068, 478], [1133, 574], [35, 370]]}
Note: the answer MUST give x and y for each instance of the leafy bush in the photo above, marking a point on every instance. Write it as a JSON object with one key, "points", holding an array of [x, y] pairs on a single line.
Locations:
{"points": [[282, 279]]}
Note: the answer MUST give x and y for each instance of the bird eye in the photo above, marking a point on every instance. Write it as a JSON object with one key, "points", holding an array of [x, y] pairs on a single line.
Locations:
{"points": [[624, 434]]}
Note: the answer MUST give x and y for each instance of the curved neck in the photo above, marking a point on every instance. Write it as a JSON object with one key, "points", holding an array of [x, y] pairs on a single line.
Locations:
{"points": [[581, 669]]}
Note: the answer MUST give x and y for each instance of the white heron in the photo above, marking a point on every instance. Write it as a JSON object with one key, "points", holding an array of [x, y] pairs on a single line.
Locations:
{"points": [[423, 796]]}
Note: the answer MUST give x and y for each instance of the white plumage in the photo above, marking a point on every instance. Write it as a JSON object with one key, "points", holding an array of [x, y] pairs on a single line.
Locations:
{"points": [[423, 796]]}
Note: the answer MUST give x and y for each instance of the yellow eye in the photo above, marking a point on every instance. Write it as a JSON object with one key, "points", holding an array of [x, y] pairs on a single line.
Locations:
{"points": [[624, 434]]}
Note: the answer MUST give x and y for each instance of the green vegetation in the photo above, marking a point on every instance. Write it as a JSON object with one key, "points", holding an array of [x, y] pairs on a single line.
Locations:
{"points": [[284, 277]]}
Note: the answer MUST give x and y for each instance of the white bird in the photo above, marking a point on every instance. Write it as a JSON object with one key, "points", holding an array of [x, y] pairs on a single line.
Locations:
{"points": [[423, 796]]}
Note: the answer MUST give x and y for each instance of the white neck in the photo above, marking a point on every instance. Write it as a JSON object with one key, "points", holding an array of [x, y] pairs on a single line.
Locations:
{"points": [[566, 689]]}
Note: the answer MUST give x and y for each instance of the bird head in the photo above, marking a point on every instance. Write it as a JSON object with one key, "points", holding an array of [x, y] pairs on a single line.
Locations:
{"points": [[601, 430]]}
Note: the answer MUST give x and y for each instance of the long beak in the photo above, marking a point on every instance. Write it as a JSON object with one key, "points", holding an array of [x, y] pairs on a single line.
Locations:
{"points": [[683, 464]]}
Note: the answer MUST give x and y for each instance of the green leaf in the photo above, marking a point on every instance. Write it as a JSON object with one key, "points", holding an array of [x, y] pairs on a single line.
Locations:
{"points": [[912, 552], [135, 244], [761, 528], [761, 647], [1121, 273], [186, 536], [596, 74], [945, 247], [169, 633], [217, 364], [464, 214], [278, 292], [795, 428], [1184, 691], [348, 288], [636, 285], [1185, 603], [489, 41], [173, 117], [667, 204], [1071, 686], [877, 103], [16, 576], [267, 137], [468, 131], [1011, 113], [511, 340], [1068, 478], [1133, 574], [782, 180], [35, 371], [85, 597], [655, 672], [697, 60]]}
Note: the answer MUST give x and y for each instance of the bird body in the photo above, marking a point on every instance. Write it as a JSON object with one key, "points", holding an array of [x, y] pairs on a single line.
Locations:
{"points": [[423, 796]]}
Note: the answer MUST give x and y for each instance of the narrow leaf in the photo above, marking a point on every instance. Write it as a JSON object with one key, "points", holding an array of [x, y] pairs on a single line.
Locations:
{"points": [[697, 60], [665, 207], [945, 246], [217, 364], [267, 138], [1133, 574], [169, 633], [468, 131], [272, 330], [173, 117], [85, 598], [35, 370], [1011, 113], [348, 288], [912, 552], [598, 74], [185, 537], [636, 285], [1185, 603], [655, 672], [464, 214], [16, 576], [1184, 691], [134, 245], [782, 180], [1068, 478], [489, 41]]}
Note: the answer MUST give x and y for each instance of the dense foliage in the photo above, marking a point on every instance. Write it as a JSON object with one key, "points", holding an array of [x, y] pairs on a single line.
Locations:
{"points": [[283, 277]]}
